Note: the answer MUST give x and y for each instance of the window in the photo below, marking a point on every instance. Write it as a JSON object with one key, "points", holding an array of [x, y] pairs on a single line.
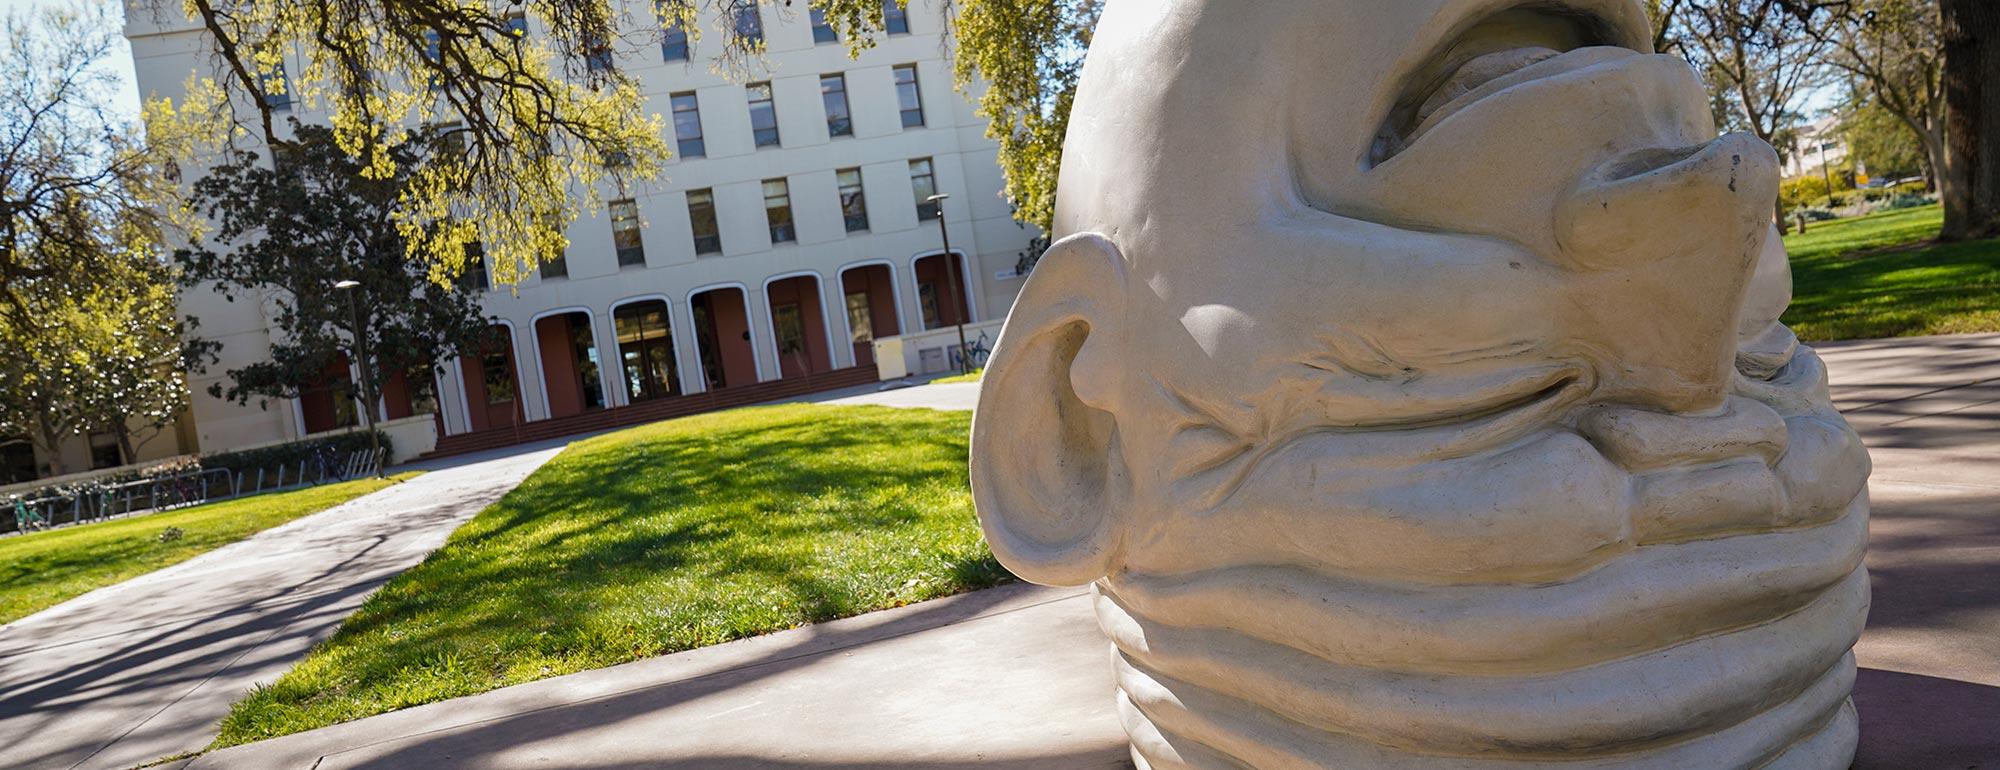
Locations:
{"points": [[907, 96], [895, 18], [778, 210], [674, 43], [822, 32], [104, 452], [924, 184], [554, 266], [277, 89], [860, 317], [625, 234], [701, 214], [749, 25], [517, 24], [597, 54], [763, 114], [687, 125], [474, 278], [853, 204], [833, 92]]}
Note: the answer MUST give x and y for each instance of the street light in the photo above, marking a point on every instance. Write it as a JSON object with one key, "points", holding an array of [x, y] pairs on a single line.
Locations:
{"points": [[957, 286], [360, 347]]}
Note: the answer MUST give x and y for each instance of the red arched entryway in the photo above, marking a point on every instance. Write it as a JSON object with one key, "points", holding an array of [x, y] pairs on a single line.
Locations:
{"points": [[492, 382], [722, 338], [570, 370], [646, 350], [868, 294], [798, 325], [940, 305]]}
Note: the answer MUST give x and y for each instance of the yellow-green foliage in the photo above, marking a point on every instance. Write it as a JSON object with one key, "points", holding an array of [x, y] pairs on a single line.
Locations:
{"points": [[661, 538]]}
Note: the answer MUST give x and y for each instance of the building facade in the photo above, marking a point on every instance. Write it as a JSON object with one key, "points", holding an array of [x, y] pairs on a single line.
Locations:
{"points": [[788, 232]]}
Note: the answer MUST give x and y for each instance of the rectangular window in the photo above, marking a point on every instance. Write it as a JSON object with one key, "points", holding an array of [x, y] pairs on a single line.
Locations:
{"points": [[687, 125], [554, 266], [473, 277], [833, 93], [625, 233], [277, 89], [822, 32], [498, 378], [908, 97], [853, 204], [924, 184], [763, 114], [778, 210], [701, 214], [895, 18], [597, 55], [749, 25], [674, 42], [104, 452]]}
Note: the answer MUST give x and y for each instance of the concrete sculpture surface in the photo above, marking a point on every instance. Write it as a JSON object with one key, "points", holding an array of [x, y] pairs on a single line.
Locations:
{"points": [[1409, 384]]}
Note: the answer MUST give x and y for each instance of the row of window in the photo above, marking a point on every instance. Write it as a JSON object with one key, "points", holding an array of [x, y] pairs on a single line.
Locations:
{"points": [[748, 26], [691, 143], [630, 245]]}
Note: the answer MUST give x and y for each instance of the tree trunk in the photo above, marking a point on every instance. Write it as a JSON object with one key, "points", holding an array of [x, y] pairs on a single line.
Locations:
{"points": [[1971, 189], [127, 453]]}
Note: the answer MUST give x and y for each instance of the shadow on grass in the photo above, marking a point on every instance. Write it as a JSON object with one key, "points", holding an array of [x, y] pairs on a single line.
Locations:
{"points": [[663, 538]]}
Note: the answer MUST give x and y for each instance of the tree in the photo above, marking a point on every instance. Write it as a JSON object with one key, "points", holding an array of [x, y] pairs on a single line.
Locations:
{"points": [[546, 119], [286, 232], [1761, 63], [87, 331], [1023, 57], [1894, 59], [65, 158], [1971, 189], [1882, 142]]}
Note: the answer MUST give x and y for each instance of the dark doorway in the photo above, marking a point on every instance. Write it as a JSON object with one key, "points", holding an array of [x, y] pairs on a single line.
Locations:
{"points": [[799, 326], [722, 338], [491, 383], [646, 350], [570, 368], [869, 294], [941, 306]]}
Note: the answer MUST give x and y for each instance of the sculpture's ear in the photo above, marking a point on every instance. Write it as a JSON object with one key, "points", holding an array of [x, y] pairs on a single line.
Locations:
{"points": [[1047, 474]]}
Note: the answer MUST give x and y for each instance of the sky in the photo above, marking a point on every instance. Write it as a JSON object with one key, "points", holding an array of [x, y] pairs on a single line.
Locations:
{"points": [[119, 63]]}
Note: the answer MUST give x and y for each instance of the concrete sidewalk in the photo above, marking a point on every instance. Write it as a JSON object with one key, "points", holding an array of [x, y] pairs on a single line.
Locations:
{"points": [[145, 669], [1018, 677]]}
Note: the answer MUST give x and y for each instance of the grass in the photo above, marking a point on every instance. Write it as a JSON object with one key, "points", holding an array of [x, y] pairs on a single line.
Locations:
{"points": [[662, 538], [43, 569], [1879, 276], [974, 376]]}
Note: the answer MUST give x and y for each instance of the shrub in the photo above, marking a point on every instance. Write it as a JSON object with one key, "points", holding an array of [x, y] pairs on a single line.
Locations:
{"points": [[289, 455]]}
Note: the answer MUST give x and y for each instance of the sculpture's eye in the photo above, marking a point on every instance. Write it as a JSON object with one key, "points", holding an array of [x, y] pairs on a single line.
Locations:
{"points": [[1503, 50]]}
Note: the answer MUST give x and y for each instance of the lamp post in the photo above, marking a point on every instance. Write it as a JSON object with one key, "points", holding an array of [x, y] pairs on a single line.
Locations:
{"points": [[360, 347], [958, 287]]}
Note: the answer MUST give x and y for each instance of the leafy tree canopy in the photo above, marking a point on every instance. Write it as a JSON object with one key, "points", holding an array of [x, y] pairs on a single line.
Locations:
{"points": [[286, 232]]}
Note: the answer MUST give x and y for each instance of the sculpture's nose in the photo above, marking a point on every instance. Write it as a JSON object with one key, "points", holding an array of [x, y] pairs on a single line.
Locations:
{"points": [[1664, 243]]}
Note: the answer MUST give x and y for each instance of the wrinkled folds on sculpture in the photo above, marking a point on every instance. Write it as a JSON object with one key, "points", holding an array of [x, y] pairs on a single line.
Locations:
{"points": [[1410, 386]]}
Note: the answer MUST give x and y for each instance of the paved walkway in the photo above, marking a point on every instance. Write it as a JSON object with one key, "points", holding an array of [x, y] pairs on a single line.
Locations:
{"points": [[144, 669], [1017, 677]]}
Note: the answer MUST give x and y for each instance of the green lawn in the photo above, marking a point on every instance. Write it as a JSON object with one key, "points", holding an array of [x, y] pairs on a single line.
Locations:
{"points": [[657, 539], [974, 376], [1878, 276], [43, 569]]}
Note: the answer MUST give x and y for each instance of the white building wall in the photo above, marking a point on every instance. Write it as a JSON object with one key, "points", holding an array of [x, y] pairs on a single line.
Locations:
{"points": [[963, 159]]}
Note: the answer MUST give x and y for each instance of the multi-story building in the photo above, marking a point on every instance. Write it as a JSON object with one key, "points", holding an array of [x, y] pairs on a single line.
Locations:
{"points": [[789, 231]]}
